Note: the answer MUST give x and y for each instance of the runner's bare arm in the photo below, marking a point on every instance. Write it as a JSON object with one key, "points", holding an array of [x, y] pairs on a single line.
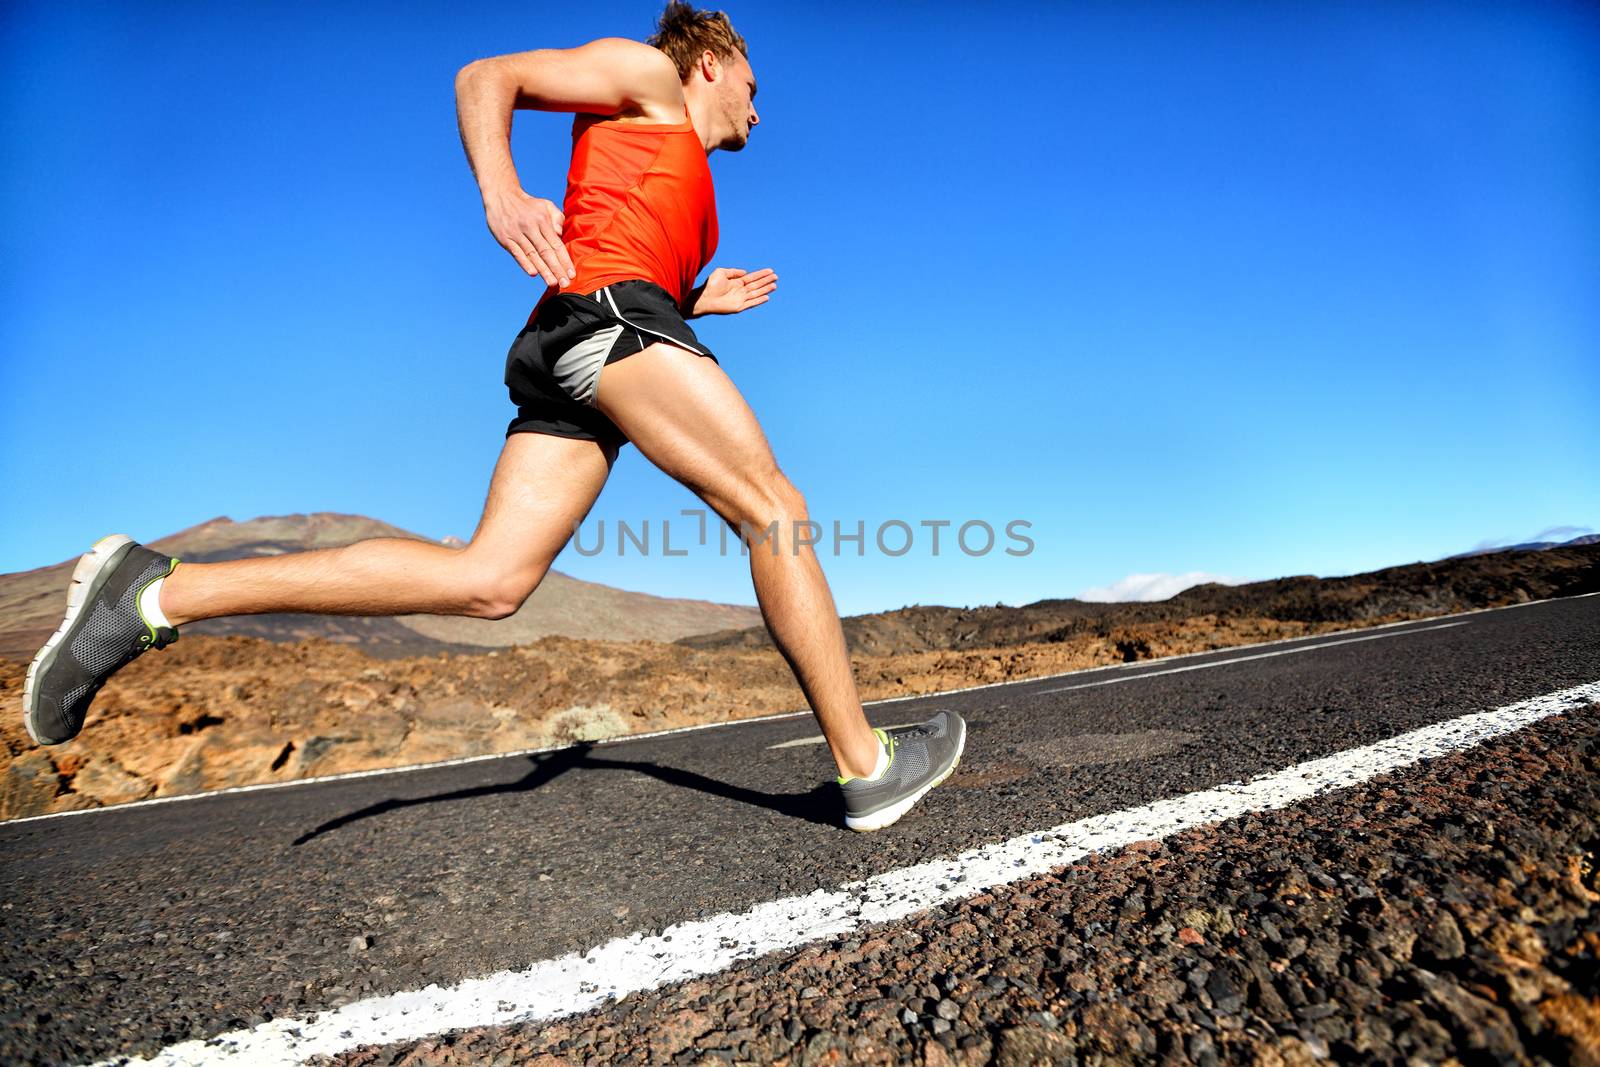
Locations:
{"points": [[610, 76]]}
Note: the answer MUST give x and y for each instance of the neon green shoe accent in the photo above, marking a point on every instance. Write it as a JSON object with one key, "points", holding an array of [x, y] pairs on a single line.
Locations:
{"points": [[150, 639], [888, 744]]}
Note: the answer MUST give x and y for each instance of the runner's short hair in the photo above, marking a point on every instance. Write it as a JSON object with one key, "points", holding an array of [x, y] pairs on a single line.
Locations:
{"points": [[685, 34]]}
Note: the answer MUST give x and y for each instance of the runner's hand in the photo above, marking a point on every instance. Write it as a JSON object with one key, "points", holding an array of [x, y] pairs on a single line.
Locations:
{"points": [[729, 290], [530, 229]]}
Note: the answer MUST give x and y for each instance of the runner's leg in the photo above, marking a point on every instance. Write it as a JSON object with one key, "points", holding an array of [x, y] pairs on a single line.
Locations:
{"points": [[543, 486], [688, 418]]}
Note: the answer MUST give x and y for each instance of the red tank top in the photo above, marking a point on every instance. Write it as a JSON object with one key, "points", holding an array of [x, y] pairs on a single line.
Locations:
{"points": [[639, 204]]}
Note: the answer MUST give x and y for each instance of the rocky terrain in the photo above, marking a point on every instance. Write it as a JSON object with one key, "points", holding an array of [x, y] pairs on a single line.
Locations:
{"points": [[1448, 914], [218, 711]]}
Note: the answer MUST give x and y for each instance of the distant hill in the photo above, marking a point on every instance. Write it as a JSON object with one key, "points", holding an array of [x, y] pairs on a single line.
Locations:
{"points": [[1531, 546], [31, 602], [1460, 583]]}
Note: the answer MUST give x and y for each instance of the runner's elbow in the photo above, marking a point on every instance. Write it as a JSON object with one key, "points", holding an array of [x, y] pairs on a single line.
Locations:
{"points": [[472, 75]]}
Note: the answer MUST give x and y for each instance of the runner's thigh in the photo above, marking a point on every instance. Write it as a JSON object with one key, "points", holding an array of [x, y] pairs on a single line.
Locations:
{"points": [[542, 488], [683, 412]]}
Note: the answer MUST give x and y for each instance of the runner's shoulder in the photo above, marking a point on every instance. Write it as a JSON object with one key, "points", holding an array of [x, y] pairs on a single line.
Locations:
{"points": [[648, 74]]}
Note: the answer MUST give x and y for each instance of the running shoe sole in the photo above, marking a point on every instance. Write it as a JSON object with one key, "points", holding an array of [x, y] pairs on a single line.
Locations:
{"points": [[87, 578], [886, 816]]}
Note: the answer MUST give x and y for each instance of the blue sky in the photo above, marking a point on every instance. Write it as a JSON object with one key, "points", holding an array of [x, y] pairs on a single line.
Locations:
{"points": [[1245, 290]]}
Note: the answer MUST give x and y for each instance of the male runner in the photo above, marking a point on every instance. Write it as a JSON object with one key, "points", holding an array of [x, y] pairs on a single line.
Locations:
{"points": [[605, 358]]}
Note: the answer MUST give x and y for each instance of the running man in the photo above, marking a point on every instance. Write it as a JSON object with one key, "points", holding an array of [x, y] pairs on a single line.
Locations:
{"points": [[606, 358]]}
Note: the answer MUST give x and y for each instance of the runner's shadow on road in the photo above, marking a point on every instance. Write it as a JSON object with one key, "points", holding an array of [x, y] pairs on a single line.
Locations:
{"points": [[819, 805]]}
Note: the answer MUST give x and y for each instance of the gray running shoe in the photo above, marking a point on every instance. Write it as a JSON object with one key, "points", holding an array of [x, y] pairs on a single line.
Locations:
{"points": [[920, 757], [102, 633]]}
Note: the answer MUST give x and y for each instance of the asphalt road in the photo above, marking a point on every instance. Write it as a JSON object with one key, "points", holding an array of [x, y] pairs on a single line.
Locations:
{"points": [[127, 930]]}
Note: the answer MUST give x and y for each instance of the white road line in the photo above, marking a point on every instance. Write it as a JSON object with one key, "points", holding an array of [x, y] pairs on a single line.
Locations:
{"points": [[1240, 659], [638, 962], [460, 760]]}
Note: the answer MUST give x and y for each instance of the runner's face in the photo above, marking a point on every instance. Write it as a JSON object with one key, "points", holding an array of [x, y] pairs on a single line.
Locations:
{"points": [[737, 95]]}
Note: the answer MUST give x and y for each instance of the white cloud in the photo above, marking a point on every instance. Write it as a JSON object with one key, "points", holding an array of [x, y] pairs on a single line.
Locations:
{"points": [[1154, 586], [1549, 533], [1560, 533], [1491, 544]]}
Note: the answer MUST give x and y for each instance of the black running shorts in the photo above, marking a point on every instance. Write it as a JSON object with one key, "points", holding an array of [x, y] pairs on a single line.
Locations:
{"points": [[554, 364]]}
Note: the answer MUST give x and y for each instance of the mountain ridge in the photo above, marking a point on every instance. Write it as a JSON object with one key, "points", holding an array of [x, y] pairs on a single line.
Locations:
{"points": [[1456, 583]]}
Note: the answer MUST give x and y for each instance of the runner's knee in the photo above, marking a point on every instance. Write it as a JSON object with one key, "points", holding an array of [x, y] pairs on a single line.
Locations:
{"points": [[765, 501]]}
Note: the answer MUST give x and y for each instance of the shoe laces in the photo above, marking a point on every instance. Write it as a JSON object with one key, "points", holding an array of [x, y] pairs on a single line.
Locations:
{"points": [[162, 637]]}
